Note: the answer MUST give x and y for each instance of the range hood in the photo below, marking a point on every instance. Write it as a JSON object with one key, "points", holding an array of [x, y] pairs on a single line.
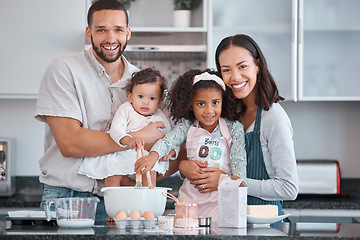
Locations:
{"points": [[165, 48], [167, 42]]}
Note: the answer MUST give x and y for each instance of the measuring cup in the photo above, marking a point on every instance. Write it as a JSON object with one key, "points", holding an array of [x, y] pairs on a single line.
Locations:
{"points": [[77, 212], [186, 215]]}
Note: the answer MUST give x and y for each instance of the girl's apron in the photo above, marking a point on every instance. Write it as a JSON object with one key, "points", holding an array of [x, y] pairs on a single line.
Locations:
{"points": [[255, 168], [202, 146]]}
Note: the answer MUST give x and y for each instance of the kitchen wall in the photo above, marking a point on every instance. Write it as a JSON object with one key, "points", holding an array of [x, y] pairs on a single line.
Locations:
{"points": [[322, 130]]}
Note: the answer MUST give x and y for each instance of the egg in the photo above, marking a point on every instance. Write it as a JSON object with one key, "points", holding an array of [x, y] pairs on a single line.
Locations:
{"points": [[120, 215], [148, 215], [134, 215]]}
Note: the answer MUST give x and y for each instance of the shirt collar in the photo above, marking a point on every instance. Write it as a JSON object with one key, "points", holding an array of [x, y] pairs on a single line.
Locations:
{"points": [[101, 70]]}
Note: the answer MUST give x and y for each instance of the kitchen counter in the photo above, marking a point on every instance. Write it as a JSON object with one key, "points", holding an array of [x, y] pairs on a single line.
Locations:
{"points": [[297, 230], [28, 195]]}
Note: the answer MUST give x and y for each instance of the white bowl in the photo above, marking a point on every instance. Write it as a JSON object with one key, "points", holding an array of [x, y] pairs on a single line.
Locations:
{"points": [[129, 198]]}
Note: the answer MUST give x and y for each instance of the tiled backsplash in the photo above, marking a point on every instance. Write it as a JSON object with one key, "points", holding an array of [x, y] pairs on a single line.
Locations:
{"points": [[171, 65]]}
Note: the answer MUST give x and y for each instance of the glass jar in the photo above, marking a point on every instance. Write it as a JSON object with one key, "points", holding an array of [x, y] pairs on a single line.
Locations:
{"points": [[186, 215]]}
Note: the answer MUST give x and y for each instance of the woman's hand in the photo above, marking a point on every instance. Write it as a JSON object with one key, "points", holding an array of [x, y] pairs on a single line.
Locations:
{"points": [[209, 181], [191, 169]]}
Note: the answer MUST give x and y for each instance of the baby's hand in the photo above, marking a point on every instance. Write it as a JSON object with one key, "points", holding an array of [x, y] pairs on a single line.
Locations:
{"points": [[146, 163], [139, 143], [168, 156]]}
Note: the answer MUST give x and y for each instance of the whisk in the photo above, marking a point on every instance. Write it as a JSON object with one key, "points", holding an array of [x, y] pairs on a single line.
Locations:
{"points": [[169, 195], [138, 185]]}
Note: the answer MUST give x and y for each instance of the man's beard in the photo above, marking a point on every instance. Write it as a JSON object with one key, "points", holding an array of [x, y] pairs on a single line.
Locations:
{"points": [[102, 55]]}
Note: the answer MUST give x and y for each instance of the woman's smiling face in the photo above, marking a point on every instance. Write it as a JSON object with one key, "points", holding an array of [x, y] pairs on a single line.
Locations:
{"points": [[238, 70]]}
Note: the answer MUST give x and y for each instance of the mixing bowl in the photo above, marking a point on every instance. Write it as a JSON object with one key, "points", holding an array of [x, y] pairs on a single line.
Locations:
{"points": [[129, 198]]}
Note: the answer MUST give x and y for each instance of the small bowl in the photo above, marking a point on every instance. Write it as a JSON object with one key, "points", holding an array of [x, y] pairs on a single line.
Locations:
{"points": [[166, 222], [204, 221]]}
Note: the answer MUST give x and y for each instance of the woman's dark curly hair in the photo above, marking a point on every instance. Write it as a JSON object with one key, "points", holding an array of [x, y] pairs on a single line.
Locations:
{"points": [[182, 94], [267, 92], [147, 75]]}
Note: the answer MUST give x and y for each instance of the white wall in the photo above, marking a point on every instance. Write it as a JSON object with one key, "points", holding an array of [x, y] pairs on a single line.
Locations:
{"points": [[17, 122], [327, 130], [322, 130]]}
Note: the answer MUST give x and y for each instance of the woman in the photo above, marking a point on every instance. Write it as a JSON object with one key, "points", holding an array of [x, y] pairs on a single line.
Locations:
{"points": [[271, 164]]}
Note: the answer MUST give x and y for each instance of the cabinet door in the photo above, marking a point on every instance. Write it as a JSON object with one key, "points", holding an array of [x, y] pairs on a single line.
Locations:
{"points": [[272, 24], [329, 49], [34, 33]]}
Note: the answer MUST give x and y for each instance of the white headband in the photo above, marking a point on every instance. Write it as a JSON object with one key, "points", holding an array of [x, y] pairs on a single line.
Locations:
{"points": [[208, 76]]}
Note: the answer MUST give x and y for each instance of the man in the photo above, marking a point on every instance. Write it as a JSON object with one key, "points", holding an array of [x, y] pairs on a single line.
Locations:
{"points": [[78, 97]]}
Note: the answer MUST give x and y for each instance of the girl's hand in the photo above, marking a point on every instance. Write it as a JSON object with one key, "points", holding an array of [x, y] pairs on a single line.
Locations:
{"points": [[168, 156], [146, 163], [210, 181], [192, 169]]}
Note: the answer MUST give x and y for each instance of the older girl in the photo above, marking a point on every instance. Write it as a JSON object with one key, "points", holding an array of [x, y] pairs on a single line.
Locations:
{"points": [[205, 120]]}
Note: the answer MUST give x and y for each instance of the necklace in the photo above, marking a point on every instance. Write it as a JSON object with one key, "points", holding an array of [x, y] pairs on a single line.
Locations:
{"points": [[247, 125]]}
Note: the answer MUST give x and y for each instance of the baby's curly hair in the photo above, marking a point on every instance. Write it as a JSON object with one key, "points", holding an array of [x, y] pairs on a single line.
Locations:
{"points": [[147, 75], [182, 94]]}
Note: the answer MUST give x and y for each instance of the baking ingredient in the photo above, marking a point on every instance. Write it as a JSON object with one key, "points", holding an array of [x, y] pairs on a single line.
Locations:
{"points": [[75, 223], [262, 210], [134, 215], [166, 222], [120, 215], [148, 215], [186, 222]]}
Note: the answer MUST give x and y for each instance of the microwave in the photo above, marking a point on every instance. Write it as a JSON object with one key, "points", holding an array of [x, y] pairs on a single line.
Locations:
{"points": [[7, 167]]}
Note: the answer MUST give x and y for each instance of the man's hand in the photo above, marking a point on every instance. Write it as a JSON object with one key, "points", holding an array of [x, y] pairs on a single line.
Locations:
{"points": [[150, 134], [132, 142]]}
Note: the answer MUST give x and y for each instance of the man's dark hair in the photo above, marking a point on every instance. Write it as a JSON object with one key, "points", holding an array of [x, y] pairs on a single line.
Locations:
{"points": [[106, 5]]}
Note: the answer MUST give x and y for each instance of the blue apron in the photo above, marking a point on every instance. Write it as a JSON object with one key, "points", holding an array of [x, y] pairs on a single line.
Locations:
{"points": [[255, 168]]}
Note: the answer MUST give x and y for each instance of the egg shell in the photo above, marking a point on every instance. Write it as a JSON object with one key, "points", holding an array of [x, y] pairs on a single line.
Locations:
{"points": [[148, 215], [134, 215], [120, 215]]}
